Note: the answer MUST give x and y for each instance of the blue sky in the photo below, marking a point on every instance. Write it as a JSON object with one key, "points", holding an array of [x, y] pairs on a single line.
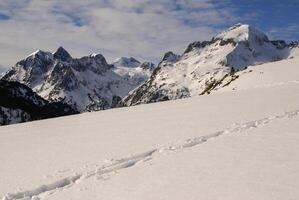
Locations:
{"points": [[278, 18], [144, 29]]}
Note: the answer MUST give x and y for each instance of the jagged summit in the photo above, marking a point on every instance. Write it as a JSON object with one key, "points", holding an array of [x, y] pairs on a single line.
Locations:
{"points": [[62, 54]]}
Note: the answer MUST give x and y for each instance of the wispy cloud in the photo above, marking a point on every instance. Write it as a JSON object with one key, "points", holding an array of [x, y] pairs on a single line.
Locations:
{"points": [[141, 28], [287, 32]]}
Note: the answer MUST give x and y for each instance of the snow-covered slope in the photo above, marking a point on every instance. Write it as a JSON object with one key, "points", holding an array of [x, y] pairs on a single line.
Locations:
{"points": [[232, 145], [283, 72], [88, 83], [206, 65]]}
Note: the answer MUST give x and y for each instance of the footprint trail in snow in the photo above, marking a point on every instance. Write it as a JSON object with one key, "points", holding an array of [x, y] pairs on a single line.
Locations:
{"points": [[132, 161]]}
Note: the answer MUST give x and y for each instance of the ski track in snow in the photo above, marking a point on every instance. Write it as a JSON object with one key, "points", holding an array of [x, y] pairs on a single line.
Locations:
{"points": [[131, 161]]}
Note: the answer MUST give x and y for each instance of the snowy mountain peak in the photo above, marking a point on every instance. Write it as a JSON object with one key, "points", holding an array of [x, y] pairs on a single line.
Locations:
{"points": [[242, 32], [62, 54], [126, 62], [208, 65], [36, 62]]}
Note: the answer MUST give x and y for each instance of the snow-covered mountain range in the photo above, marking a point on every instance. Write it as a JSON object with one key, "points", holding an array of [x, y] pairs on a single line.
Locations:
{"points": [[90, 83], [210, 65], [87, 84]]}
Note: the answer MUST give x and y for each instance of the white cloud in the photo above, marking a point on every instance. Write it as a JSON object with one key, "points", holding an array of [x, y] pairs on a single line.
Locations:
{"points": [[144, 29]]}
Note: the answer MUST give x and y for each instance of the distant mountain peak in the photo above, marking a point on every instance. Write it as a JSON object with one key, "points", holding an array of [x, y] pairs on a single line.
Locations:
{"points": [[36, 60], [126, 62]]}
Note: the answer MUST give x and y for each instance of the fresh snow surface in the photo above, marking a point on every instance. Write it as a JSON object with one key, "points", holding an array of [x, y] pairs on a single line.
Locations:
{"points": [[230, 145], [278, 73]]}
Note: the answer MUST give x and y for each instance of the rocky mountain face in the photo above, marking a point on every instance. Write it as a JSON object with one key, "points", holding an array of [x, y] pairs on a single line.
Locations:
{"points": [[87, 84], [18, 103], [209, 65]]}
